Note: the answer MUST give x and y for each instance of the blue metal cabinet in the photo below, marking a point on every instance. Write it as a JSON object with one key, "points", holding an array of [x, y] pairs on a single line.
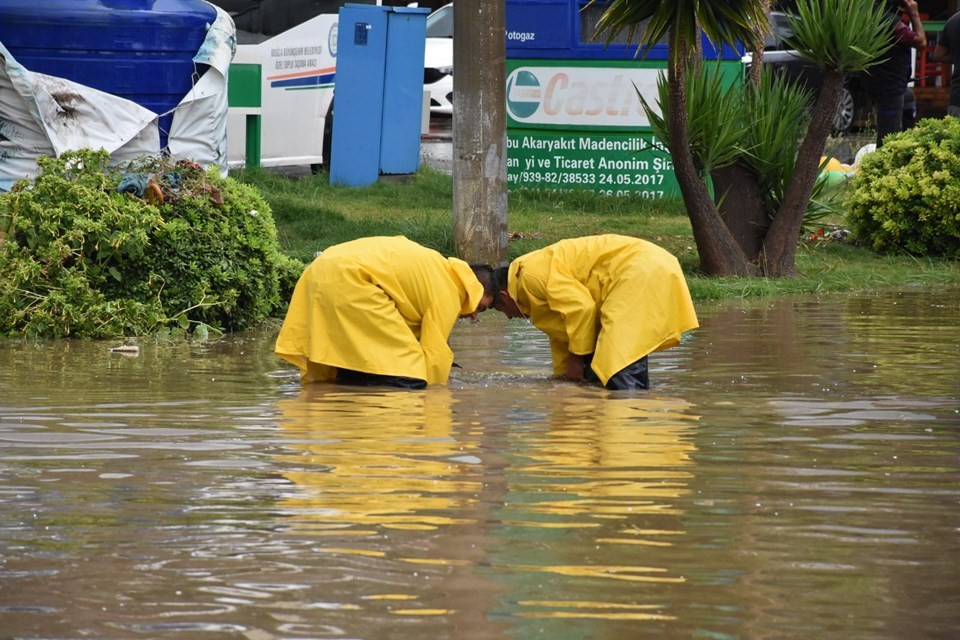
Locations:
{"points": [[378, 94]]}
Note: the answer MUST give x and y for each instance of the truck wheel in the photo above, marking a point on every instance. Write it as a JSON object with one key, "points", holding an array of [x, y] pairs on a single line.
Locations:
{"points": [[846, 109]]}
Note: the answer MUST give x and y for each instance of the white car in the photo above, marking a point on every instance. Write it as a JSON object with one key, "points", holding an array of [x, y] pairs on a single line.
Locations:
{"points": [[438, 60]]}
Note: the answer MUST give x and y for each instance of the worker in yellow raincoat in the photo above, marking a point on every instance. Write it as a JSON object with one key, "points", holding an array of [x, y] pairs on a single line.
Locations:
{"points": [[605, 302], [379, 311]]}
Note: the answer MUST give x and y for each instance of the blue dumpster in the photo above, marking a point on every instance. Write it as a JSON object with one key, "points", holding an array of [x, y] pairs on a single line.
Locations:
{"points": [[141, 50], [378, 95]]}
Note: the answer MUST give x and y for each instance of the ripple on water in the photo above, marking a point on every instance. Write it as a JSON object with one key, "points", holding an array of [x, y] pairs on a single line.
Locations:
{"points": [[792, 474]]}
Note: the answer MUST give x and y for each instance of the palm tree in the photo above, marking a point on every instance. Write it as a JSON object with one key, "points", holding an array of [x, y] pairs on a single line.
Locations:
{"points": [[840, 36], [761, 29]]}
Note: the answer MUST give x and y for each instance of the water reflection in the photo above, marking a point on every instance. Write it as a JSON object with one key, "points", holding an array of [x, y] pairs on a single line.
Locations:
{"points": [[374, 459], [604, 476], [793, 473], [872, 343], [392, 486], [595, 493]]}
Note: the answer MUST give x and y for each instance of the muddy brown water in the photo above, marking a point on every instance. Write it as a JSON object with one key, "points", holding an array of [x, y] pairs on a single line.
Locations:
{"points": [[793, 473]]}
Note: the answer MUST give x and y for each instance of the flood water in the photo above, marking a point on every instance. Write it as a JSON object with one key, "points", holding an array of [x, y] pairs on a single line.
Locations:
{"points": [[793, 473]]}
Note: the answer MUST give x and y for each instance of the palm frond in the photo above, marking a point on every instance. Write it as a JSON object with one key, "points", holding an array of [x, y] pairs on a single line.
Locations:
{"points": [[715, 116], [843, 35], [725, 22], [778, 119]]}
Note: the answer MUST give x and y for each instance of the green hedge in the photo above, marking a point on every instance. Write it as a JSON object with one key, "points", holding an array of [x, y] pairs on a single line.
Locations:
{"points": [[906, 196], [183, 249]]}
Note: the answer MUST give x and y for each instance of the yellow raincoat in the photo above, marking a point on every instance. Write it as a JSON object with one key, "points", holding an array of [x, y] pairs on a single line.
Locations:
{"points": [[617, 297], [378, 305]]}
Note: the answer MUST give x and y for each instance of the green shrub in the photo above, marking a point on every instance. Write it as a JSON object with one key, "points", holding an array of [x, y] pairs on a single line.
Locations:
{"points": [[906, 196], [79, 258]]}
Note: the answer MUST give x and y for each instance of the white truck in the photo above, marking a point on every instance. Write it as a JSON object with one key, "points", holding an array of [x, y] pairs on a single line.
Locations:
{"points": [[297, 71], [295, 44]]}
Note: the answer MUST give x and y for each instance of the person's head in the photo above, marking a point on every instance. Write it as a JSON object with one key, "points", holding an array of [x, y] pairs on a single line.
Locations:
{"points": [[487, 277], [504, 303]]}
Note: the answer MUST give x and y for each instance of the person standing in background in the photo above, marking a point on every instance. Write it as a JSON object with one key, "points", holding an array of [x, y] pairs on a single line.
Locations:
{"points": [[948, 51], [887, 81]]}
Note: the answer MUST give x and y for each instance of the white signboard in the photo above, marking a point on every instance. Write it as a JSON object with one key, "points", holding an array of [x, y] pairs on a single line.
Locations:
{"points": [[581, 96]]}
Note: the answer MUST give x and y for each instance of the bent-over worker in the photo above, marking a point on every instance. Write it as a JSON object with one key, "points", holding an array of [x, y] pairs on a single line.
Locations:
{"points": [[605, 302], [379, 311]]}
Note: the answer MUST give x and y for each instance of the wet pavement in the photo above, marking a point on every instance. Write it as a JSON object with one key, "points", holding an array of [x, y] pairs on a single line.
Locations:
{"points": [[436, 147], [436, 151]]}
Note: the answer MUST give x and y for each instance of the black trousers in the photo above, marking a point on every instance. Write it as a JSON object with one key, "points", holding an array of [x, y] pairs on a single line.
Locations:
{"points": [[889, 116], [361, 379], [632, 377]]}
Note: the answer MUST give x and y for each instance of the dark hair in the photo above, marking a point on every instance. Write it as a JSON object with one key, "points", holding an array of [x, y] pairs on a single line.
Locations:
{"points": [[501, 274], [488, 278]]}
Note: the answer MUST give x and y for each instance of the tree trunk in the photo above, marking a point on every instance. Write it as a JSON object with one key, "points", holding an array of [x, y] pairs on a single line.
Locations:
{"points": [[756, 65], [480, 133], [780, 245], [742, 207], [719, 252]]}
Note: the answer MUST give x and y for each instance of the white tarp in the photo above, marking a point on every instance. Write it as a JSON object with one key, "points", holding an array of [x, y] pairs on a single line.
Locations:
{"points": [[47, 115]]}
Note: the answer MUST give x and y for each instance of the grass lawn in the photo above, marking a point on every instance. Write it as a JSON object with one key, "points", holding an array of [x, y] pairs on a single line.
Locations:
{"points": [[312, 215]]}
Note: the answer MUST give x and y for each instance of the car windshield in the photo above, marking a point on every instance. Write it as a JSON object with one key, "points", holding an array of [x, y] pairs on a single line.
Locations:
{"points": [[440, 22]]}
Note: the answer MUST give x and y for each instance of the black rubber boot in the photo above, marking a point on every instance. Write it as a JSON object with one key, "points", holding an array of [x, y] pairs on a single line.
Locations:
{"points": [[632, 377], [361, 379]]}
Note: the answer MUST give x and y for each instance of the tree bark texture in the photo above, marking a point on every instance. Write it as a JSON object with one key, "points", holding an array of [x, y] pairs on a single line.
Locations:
{"points": [[480, 132], [756, 65], [719, 252], [742, 208], [780, 245]]}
